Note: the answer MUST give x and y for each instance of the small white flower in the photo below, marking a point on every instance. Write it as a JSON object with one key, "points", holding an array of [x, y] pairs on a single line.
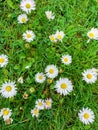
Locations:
{"points": [[8, 121], [22, 18], [39, 104], [53, 38], [3, 60], [40, 77], [90, 75], [59, 35], [86, 115], [8, 89], [66, 59], [64, 86], [51, 71], [48, 103], [27, 5], [29, 36], [6, 113], [20, 80], [49, 15], [93, 34], [35, 112]]}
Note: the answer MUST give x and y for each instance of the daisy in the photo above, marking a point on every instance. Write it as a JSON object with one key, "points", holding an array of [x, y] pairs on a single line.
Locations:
{"points": [[49, 15], [29, 36], [27, 5], [90, 75], [66, 59], [25, 95], [3, 60], [93, 34], [20, 80], [8, 121], [32, 90], [40, 77], [22, 18], [48, 103], [39, 104], [59, 35], [6, 113], [64, 86], [53, 38], [8, 89], [86, 115], [51, 71], [35, 112]]}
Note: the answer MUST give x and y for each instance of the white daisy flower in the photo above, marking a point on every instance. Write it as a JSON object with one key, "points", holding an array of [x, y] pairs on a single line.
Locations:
{"points": [[29, 36], [6, 113], [51, 71], [53, 38], [49, 15], [8, 89], [59, 35], [40, 77], [90, 75], [35, 112], [20, 80], [22, 18], [3, 60], [39, 104], [64, 86], [48, 103], [86, 115], [93, 34], [66, 59], [27, 5]]}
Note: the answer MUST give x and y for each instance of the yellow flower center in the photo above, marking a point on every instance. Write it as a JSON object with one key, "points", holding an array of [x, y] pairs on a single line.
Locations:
{"points": [[63, 86], [86, 115], [59, 36], [28, 6], [89, 76], [28, 35], [8, 88], [36, 111], [65, 59], [52, 38], [91, 35], [5, 112], [48, 103], [1, 60], [40, 104], [51, 71], [23, 20], [40, 77]]}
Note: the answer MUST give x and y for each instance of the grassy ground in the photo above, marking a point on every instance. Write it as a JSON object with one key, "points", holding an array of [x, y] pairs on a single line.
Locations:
{"points": [[75, 18]]}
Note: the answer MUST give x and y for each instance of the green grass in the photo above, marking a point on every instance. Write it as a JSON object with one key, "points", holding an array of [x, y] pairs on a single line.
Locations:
{"points": [[75, 18]]}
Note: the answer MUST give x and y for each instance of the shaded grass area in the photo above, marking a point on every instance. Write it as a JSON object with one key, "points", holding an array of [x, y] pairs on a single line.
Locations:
{"points": [[75, 18]]}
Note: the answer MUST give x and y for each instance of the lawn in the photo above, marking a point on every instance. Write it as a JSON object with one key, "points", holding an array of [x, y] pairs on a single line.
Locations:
{"points": [[25, 59]]}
